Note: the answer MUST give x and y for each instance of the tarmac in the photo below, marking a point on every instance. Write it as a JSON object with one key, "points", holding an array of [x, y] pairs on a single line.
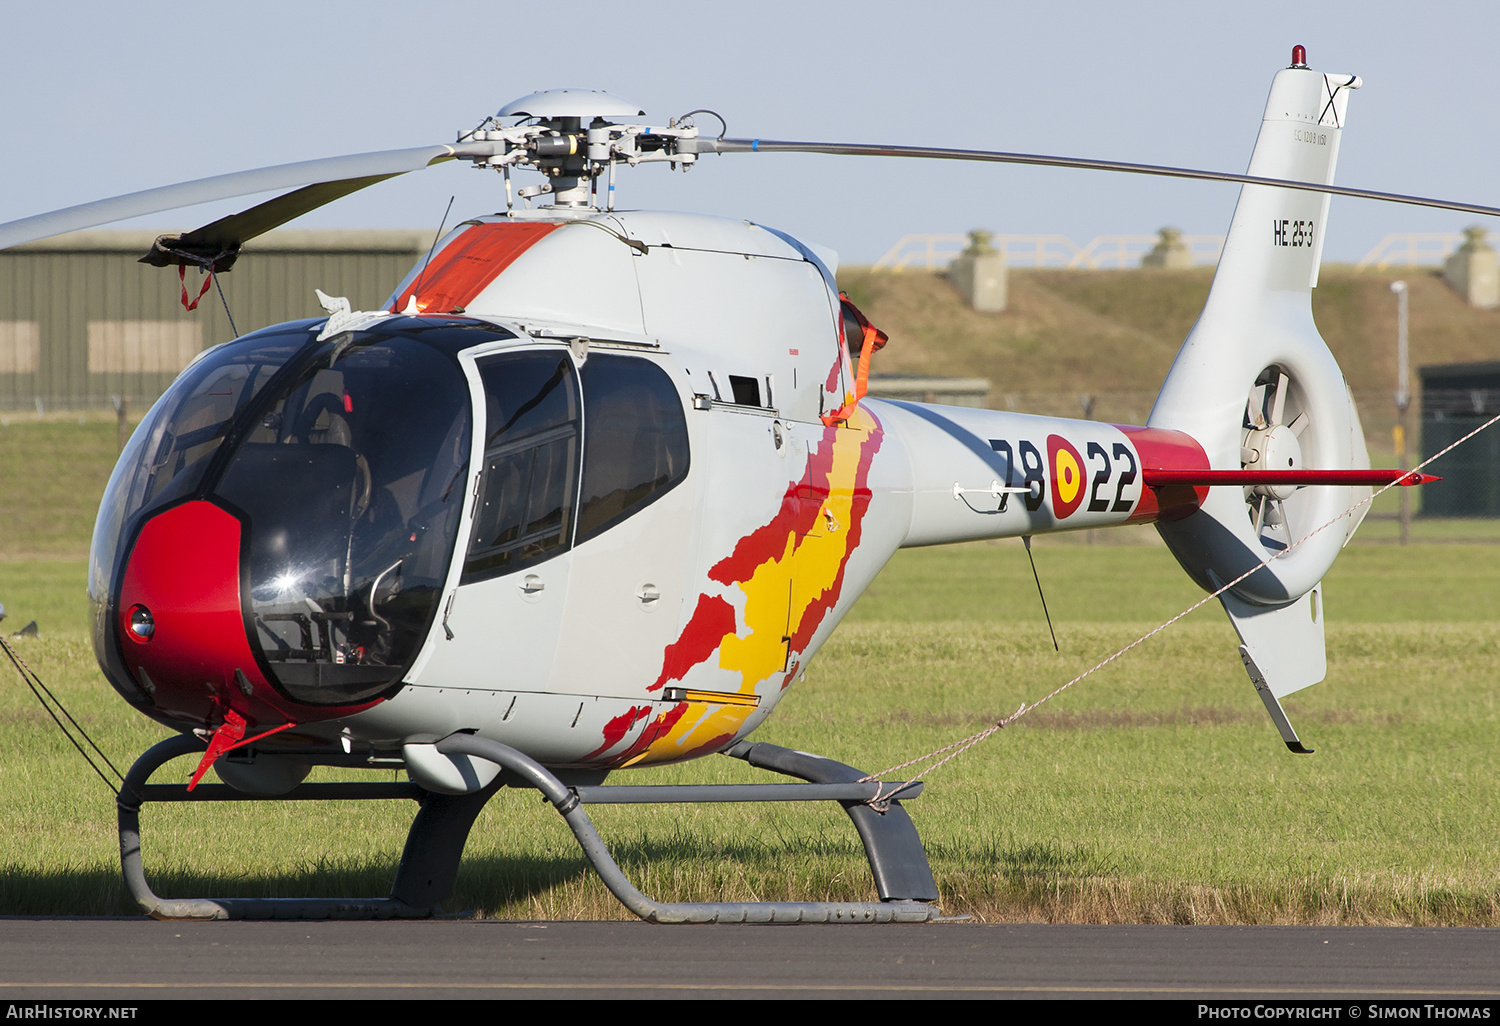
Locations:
{"points": [[142, 960]]}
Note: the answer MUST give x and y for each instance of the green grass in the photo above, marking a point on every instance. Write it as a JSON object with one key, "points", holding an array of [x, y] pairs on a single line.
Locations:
{"points": [[52, 592], [991, 582], [52, 475], [1155, 791]]}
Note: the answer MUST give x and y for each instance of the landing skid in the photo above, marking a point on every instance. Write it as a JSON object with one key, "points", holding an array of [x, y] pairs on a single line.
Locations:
{"points": [[434, 845]]}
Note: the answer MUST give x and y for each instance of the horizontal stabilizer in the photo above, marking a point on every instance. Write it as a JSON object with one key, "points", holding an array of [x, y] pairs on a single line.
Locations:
{"points": [[1251, 478]]}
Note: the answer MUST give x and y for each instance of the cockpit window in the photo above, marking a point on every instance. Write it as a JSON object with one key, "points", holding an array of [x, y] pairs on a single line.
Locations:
{"points": [[635, 446], [171, 448], [530, 475]]}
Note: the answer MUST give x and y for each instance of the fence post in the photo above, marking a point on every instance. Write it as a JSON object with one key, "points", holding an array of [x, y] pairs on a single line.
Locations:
{"points": [[1403, 400], [122, 432]]}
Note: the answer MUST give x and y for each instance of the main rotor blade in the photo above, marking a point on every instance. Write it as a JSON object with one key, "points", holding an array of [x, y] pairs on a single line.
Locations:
{"points": [[219, 242], [366, 168], [1003, 157]]}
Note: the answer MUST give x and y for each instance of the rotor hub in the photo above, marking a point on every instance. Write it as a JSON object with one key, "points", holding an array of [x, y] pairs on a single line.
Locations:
{"points": [[1273, 448], [572, 136]]}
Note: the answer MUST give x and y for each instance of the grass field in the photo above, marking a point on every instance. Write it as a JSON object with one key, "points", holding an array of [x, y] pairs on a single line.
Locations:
{"points": [[1155, 791]]}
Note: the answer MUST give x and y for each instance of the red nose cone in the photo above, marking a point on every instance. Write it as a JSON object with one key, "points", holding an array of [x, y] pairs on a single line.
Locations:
{"points": [[182, 625], [1299, 56], [183, 577]]}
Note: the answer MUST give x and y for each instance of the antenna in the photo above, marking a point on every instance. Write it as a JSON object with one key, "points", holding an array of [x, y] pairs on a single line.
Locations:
{"points": [[417, 288], [1026, 539]]}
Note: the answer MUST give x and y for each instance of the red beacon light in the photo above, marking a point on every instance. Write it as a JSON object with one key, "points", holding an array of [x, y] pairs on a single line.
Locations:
{"points": [[1299, 56]]}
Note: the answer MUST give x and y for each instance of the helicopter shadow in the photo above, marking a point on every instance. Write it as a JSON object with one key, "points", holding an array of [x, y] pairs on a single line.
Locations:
{"points": [[673, 865]]}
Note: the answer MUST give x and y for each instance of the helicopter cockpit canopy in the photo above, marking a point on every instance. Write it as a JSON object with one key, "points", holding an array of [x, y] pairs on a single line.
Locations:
{"points": [[344, 461]]}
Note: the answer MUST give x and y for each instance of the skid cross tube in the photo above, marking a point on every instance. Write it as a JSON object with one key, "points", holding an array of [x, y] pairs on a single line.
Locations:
{"points": [[435, 842]]}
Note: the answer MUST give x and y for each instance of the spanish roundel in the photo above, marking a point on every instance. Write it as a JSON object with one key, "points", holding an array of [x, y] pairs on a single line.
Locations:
{"points": [[1067, 476]]}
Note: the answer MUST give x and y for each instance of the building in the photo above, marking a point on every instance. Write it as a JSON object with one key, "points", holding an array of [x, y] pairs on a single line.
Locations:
{"points": [[1456, 399], [82, 321]]}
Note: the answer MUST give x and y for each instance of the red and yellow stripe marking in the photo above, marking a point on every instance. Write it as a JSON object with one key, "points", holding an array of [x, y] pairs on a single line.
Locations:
{"points": [[790, 573]]}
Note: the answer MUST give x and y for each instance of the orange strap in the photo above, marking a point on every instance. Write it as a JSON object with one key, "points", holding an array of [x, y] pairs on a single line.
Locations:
{"points": [[873, 339]]}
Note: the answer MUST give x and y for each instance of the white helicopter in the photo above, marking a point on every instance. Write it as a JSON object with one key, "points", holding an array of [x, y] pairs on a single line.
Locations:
{"points": [[593, 486]]}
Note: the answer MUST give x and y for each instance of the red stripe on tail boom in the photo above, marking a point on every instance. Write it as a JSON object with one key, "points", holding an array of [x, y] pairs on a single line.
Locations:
{"points": [[1177, 450]]}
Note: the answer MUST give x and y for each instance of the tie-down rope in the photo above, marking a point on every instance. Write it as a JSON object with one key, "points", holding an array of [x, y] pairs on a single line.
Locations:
{"points": [[54, 708], [958, 748]]}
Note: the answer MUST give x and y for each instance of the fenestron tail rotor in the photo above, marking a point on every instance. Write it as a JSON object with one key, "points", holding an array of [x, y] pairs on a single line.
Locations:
{"points": [[1271, 445]]}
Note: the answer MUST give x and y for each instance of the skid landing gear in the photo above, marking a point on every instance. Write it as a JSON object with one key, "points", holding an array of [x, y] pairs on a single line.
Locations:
{"points": [[434, 845]]}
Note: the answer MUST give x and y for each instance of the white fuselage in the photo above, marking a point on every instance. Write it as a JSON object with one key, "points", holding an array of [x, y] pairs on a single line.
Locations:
{"points": [[675, 632]]}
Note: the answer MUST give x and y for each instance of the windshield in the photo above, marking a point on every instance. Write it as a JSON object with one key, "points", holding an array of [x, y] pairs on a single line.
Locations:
{"points": [[345, 462], [166, 456]]}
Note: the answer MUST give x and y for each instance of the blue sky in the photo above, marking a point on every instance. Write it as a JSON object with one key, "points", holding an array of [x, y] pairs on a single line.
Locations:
{"points": [[106, 98]]}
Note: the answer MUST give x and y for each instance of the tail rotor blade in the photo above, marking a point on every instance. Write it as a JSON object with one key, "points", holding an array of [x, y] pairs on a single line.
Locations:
{"points": [[1255, 407], [1278, 405]]}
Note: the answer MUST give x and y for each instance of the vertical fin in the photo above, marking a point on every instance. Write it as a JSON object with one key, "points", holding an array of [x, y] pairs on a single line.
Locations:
{"points": [[1257, 327], [1286, 642], [1276, 238], [1283, 650]]}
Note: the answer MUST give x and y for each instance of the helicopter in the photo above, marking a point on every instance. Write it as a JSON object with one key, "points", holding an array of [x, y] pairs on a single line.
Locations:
{"points": [[593, 486]]}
